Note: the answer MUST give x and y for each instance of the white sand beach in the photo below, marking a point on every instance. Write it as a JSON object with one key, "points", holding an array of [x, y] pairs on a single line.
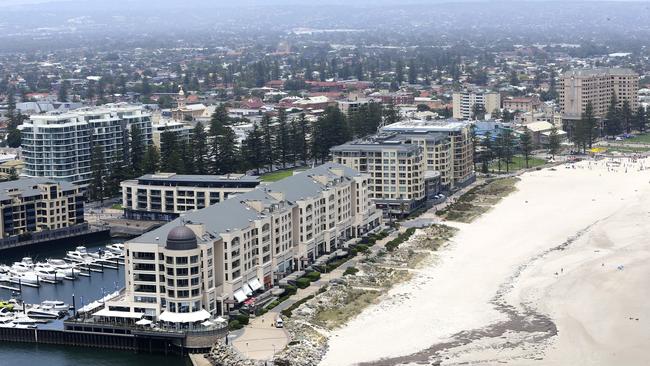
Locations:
{"points": [[500, 270]]}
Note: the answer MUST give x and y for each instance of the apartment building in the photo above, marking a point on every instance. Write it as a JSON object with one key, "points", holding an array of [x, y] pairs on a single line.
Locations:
{"points": [[164, 196], [208, 260], [464, 101], [522, 104], [182, 130], [576, 88], [446, 144], [59, 146], [33, 205], [352, 106], [396, 171]]}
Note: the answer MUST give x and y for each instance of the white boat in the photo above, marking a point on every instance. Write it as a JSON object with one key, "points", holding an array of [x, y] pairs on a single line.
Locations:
{"points": [[26, 277], [37, 312], [55, 305], [25, 265], [62, 266], [22, 321], [6, 319], [116, 248], [81, 254], [48, 273]]}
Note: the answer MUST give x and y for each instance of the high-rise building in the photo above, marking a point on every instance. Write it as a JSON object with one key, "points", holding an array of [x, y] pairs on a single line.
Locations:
{"points": [[464, 102], [396, 170], [208, 260], [576, 88], [447, 147], [59, 146]]}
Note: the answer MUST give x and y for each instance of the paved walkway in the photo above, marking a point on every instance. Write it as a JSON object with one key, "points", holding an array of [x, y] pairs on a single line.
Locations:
{"points": [[260, 339], [199, 360]]}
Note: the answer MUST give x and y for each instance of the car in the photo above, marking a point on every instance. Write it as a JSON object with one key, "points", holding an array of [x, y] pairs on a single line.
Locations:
{"points": [[278, 323]]}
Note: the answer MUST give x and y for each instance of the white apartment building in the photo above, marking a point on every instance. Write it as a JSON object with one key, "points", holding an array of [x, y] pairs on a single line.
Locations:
{"points": [[59, 146], [463, 103], [164, 196], [207, 260]]}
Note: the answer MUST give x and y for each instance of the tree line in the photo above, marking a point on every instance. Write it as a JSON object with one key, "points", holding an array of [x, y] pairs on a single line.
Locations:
{"points": [[273, 143]]}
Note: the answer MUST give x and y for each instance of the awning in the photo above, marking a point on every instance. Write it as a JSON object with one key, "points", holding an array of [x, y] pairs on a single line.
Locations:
{"points": [[247, 290], [221, 320], [143, 322], [207, 323], [254, 284], [239, 295], [196, 316], [118, 314]]}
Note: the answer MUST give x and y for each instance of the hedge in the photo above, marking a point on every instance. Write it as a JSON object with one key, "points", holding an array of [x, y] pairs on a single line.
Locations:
{"points": [[350, 271], [242, 319], [402, 237], [303, 282], [234, 325], [313, 276]]}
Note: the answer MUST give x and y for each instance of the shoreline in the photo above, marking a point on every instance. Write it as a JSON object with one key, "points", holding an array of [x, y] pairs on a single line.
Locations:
{"points": [[481, 314]]}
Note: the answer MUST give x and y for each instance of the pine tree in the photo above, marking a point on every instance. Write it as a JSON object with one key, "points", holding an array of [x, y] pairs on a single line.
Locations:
{"points": [[15, 119], [97, 168], [267, 142], [138, 149], [282, 142], [200, 149], [252, 149], [151, 160], [303, 128], [413, 72], [228, 151], [487, 153], [391, 115], [612, 118], [640, 119], [526, 144], [169, 154], [63, 91], [218, 122], [590, 126], [626, 117]]}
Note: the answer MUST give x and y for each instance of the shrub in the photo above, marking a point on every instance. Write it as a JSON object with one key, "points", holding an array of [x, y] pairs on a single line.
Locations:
{"points": [[290, 290], [234, 325], [242, 319], [313, 276], [287, 312], [362, 248], [303, 282], [272, 304], [350, 271]]}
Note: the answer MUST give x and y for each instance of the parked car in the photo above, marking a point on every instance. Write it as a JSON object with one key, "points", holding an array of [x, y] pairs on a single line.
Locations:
{"points": [[279, 323]]}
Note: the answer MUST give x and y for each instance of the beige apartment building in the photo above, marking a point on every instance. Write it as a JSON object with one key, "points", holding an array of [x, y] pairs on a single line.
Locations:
{"points": [[164, 196], [210, 260], [577, 88], [447, 148], [464, 101], [397, 183], [33, 205]]}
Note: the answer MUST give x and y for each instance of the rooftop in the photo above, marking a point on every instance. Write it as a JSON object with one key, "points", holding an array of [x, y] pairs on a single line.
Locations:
{"points": [[600, 71], [419, 126], [237, 212], [173, 177], [28, 187]]}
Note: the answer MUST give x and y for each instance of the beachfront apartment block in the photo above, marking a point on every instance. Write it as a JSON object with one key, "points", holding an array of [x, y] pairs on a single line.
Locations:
{"points": [[396, 171], [59, 146], [164, 196], [181, 129], [216, 258], [31, 206], [576, 88], [464, 101], [447, 147]]}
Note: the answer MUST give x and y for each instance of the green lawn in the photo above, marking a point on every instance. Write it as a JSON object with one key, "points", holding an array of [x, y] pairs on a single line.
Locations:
{"points": [[640, 139], [517, 163], [277, 175]]}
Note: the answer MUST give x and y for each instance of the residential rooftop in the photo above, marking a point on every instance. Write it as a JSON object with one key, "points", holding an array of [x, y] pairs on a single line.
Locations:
{"points": [[28, 187], [600, 71]]}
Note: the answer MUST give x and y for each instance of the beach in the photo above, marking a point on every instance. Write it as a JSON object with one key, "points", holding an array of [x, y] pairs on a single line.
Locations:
{"points": [[555, 272]]}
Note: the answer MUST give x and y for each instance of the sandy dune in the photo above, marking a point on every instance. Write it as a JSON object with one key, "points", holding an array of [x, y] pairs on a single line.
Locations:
{"points": [[496, 282]]}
